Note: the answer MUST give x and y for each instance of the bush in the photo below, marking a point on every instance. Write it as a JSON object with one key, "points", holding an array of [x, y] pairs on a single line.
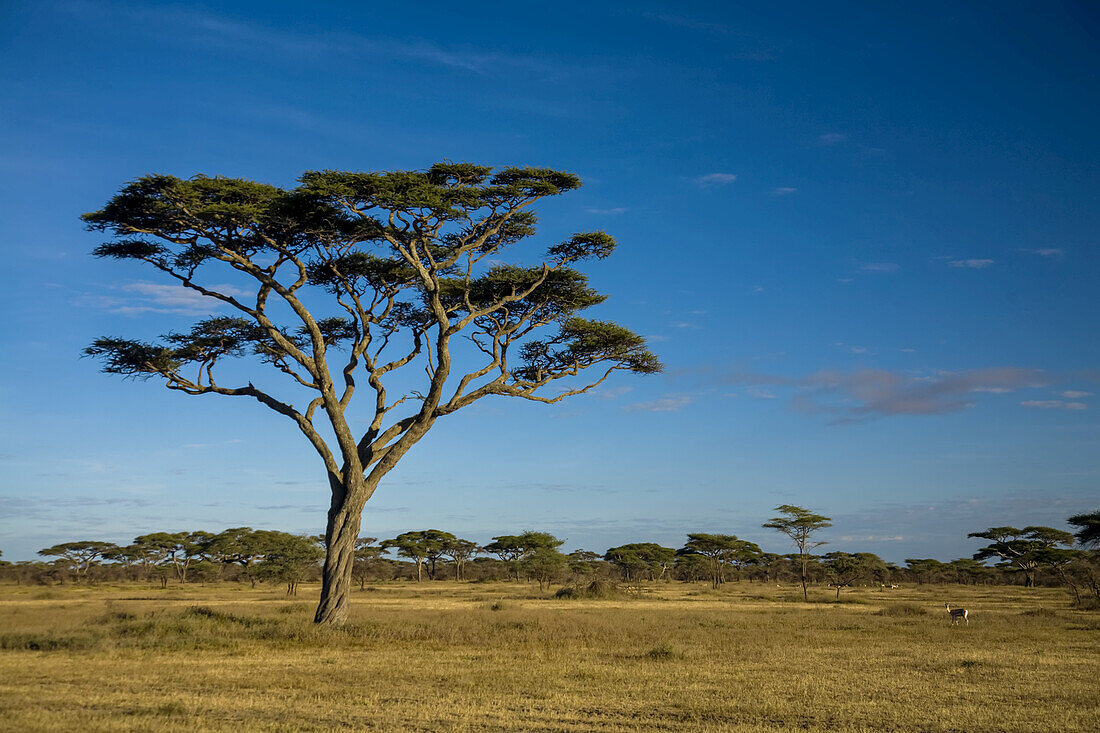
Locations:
{"points": [[598, 589], [663, 651]]}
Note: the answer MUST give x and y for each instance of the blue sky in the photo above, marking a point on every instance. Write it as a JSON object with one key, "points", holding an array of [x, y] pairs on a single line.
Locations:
{"points": [[861, 237]]}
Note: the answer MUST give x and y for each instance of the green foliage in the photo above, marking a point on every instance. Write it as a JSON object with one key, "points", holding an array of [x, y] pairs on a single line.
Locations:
{"points": [[544, 564], [79, 556], [799, 524], [1088, 533], [289, 558], [1020, 549], [420, 546], [640, 558]]}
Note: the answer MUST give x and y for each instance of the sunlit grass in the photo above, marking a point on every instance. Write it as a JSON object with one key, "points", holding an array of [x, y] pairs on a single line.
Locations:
{"points": [[446, 656]]}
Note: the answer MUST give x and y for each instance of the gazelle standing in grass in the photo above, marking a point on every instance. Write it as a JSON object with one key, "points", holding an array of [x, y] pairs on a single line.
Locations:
{"points": [[956, 614]]}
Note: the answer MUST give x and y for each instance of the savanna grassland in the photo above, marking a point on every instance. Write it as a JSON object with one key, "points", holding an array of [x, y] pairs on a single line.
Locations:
{"points": [[502, 656]]}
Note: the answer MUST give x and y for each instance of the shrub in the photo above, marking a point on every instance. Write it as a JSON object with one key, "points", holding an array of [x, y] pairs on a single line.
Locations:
{"points": [[598, 589]]}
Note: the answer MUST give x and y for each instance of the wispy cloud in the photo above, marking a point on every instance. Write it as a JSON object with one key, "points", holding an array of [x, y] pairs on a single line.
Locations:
{"points": [[879, 267], [1074, 394], [832, 138], [671, 403], [193, 446], [609, 212], [715, 179], [1051, 252], [871, 393], [146, 297], [682, 21], [784, 191], [1054, 405], [224, 32], [760, 393], [611, 393], [970, 264], [754, 51]]}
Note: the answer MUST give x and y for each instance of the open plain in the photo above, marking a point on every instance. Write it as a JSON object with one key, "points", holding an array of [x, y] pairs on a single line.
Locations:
{"points": [[502, 656]]}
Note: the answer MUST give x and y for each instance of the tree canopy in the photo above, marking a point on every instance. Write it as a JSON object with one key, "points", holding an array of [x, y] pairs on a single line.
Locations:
{"points": [[351, 277], [799, 524], [1021, 549]]}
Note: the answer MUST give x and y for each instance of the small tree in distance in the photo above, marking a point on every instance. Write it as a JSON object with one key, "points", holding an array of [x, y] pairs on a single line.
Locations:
{"points": [[393, 268], [80, 556], [514, 549], [1020, 549], [799, 524]]}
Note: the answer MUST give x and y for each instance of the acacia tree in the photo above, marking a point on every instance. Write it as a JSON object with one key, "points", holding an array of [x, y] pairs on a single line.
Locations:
{"points": [[242, 546], [80, 556], [641, 557], [367, 555], [846, 568], [426, 545], [391, 267], [514, 549], [798, 524], [720, 550], [289, 558], [460, 551], [1020, 549], [1088, 524]]}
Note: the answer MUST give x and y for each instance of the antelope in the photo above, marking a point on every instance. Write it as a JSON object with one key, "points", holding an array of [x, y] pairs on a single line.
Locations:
{"points": [[956, 614]]}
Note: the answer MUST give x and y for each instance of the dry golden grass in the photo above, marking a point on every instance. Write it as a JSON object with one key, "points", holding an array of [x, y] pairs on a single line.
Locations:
{"points": [[475, 657]]}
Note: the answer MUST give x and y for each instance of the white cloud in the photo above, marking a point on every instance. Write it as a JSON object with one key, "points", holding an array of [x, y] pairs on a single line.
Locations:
{"points": [[210, 445], [611, 393], [869, 393], [609, 212], [1075, 394], [715, 179], [1054, 405], [832, 138], [970, 264], [759, 393], [1045, 251], [682, 21], [671, 403], [784, 191], [147, 297], [880, 267]]}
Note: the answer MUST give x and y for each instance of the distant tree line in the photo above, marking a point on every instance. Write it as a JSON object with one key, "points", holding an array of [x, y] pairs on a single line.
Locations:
{"points": [[1029, 556]]}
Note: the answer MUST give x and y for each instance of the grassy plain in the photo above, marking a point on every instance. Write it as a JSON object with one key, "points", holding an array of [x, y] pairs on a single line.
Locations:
{"points": [[446, 656]]}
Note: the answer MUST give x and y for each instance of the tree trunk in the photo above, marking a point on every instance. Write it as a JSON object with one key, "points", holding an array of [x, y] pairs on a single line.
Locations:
{"points": [[336, 582]]}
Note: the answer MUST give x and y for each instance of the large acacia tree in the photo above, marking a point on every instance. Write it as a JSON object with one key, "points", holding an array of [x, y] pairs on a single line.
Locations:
{"points": [[351, 278]]}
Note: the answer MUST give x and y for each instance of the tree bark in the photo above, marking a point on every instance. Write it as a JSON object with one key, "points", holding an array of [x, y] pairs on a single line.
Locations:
{"points": [[336, 582]]}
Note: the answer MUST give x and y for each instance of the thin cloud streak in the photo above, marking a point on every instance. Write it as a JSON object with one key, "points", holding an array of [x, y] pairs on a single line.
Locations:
{"points": [[874, 393], [715, 179], [970, 264], [671, 403], [146, 297], [880, 267], [1054, 405]]}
